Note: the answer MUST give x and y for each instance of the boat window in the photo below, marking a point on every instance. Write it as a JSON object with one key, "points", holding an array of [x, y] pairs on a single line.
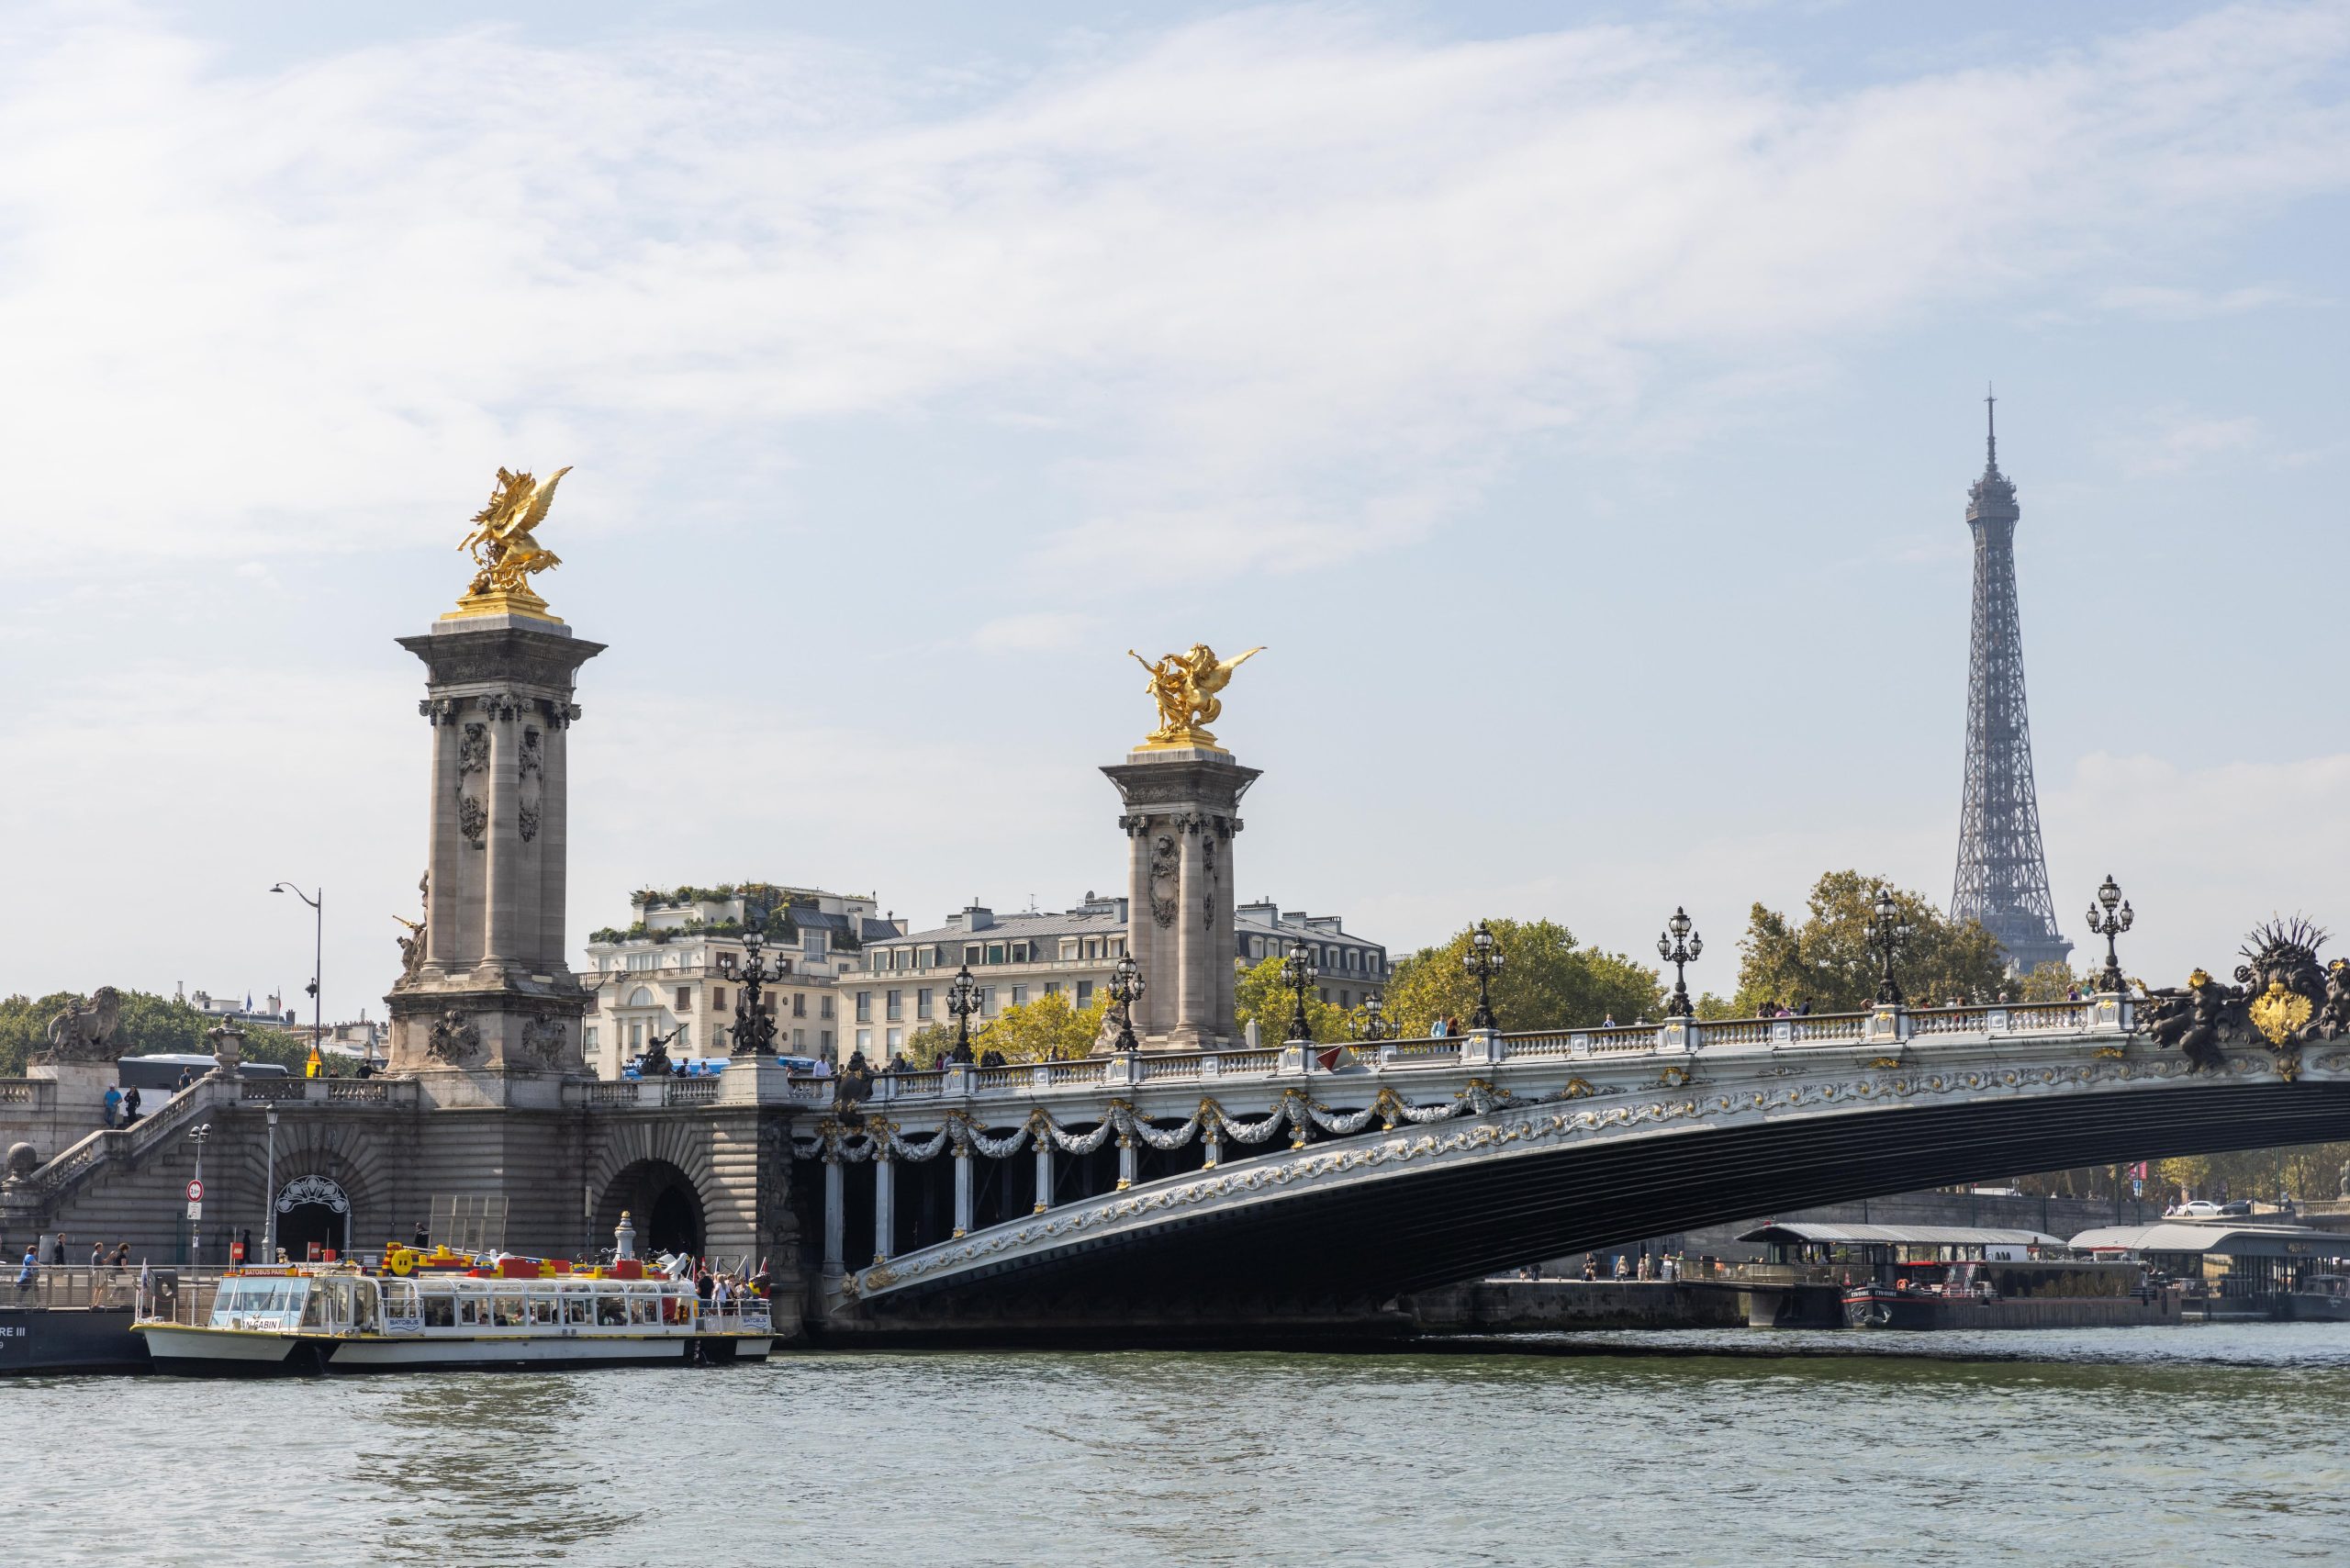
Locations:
{"points": [[543, 1309], [440, 1312], [611, 1310], [507, 1310], [470, 1311], [576, 1309], [644, 1309]]}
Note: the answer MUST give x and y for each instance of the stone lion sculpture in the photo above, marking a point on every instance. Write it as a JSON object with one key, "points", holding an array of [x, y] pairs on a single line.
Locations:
{"points": [[86, 1033]]}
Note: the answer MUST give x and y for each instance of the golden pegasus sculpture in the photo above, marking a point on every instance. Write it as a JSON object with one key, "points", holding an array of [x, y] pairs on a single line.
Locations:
{"points": [[1184, 685], [506, 553]]}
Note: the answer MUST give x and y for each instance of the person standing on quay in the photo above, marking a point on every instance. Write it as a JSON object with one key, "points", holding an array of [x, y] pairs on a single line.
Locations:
{"points": [[32, 1269], [112, 1102]]}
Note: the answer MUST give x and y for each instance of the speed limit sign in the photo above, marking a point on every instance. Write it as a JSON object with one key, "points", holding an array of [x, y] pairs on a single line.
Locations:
{"points": [[196, 1192]]}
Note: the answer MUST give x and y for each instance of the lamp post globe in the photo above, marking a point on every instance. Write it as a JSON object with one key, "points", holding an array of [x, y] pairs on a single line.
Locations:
{"points": [[1891, 934], [962, 999], [1297, 974], [2108, 922]]}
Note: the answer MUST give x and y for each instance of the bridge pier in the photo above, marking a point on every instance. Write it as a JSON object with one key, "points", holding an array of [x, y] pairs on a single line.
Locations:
{"points": [[962, 1191], [885, 1206], [1043, 1174]]}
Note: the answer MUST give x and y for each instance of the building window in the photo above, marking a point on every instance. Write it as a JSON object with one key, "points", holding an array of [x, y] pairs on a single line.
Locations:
{"points": [[863, 1038], [986, 1001], [1020, 952], [824, 1041], [1052, 988], [922, 1005], [995, 952], [1019, 996], [825, 1010], [685, 1039], [892, 1002], [864, 1007], [1345, 998], [636, 1037], [897, 1038], [798, 1040], [1326, 992], [1084, 995], [813, 944], [1117, 946], [767, 1004], [880, 958], [587, 1038], [800, 1004], [717, 1000], [1069, 949]]}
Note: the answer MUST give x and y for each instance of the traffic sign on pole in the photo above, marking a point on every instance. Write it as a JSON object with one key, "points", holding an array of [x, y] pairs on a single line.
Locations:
{"points": [[196, 1192], [194, 1207]]}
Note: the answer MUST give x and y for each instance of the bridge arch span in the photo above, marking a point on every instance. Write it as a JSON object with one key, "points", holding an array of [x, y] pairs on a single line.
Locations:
{"points": [[1353, 1222], [659, 1171]]}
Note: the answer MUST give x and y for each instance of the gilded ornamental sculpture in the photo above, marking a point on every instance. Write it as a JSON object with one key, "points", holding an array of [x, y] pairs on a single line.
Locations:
{"points": [[1185, 687], [506, 553]]}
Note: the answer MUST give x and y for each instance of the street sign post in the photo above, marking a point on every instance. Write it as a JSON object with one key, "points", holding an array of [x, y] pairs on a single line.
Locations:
{"points": [[195, 1207], [196, 1192]]}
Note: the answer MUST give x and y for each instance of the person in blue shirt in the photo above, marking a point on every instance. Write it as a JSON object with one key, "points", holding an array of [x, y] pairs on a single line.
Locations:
{"points": [[32, 1269], [114, 1099]]}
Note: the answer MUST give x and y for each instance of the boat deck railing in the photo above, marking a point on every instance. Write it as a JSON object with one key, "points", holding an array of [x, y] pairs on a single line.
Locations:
{"points": [[56, 1287]]}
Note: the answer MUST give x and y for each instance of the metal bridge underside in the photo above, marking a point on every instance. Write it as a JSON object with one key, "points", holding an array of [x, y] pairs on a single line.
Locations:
{"points": [[1342, 1253]]}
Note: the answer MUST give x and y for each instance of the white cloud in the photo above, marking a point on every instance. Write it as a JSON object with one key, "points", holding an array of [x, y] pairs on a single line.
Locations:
{"points": [[1292, 269], [1041, 632], [2175, 440]]}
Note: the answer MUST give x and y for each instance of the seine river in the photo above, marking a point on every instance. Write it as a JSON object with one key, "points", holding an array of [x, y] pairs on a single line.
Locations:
{"points": [[2201, 1445]]}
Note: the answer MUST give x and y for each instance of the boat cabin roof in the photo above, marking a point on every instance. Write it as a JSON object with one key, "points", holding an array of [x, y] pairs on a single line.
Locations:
{"points": [[2230, 1240], [1789, 1232]]}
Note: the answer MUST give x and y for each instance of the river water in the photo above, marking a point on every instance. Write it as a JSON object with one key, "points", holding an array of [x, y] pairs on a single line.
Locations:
{"points": [[2210, 1445]]}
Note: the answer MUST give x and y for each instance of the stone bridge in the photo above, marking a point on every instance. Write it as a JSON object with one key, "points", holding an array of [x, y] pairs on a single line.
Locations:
{"points": [[1171, 1195], [1253, 1193]]}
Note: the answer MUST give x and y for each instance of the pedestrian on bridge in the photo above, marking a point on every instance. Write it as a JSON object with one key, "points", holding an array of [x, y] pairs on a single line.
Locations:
{"points": [[1622, 1267], [113, 1103], [130, 1106], [1590, 1267], [32, 1269]]}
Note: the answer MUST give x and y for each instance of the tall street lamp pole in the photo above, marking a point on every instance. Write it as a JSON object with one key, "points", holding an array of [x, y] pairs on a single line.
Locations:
{"points": [[317, 965], [1889, 935], [962, 999], [1485, 961], [1679, 945], [1125, 988], [2109, 923], [269, 1194]]}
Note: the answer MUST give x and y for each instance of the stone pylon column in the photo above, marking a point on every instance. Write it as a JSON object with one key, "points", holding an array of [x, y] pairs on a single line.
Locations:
{"points": [[489, 989], [1182, 815]]}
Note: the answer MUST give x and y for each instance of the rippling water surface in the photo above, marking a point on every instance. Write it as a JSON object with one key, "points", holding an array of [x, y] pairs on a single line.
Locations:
{"points": [[2203, 1445]]}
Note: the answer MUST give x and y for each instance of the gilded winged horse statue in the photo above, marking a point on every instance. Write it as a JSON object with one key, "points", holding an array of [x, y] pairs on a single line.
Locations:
{"points": [[502, 543], [1185, 686]]}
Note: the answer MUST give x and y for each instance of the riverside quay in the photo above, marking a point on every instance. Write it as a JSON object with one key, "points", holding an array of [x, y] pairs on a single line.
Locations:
{"points": [[1179, 1183]]}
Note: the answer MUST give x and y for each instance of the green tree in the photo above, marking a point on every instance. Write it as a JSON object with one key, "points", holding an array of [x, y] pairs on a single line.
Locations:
{"points": [[1547, 982], [146, 1025], [2050, 981], [1027, 1031], [1261, 995], [1828, 961]]}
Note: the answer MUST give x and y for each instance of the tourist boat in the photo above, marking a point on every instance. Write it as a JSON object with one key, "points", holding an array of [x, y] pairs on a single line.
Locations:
{"points": [[446, 1310], [2321, 1298]]}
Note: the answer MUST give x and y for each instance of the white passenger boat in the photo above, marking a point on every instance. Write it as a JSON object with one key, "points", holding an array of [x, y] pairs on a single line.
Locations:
{"points": [[444, 1310]]}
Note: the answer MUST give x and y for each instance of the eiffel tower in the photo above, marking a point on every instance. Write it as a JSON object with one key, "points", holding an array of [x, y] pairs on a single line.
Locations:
{"points": [[2002, 870]]}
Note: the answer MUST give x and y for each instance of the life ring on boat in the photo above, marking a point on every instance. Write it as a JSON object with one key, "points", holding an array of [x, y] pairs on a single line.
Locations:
{"points": [[401, 1263]]}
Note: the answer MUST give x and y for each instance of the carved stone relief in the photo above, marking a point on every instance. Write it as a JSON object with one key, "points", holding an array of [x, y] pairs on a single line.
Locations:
{"points": [[544, 1041], [533, 784], [455, 1038], [1163, 892]]}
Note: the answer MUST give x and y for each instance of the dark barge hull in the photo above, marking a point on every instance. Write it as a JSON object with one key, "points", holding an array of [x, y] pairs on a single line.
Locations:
{"points": [[68, 1339], [1892, 1309]]}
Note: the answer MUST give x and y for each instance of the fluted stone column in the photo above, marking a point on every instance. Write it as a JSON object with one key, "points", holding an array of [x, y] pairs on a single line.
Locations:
{"points": [[835, 1214], [1044, 1171], [492, 997], [1182, 815], [885, 1206]]}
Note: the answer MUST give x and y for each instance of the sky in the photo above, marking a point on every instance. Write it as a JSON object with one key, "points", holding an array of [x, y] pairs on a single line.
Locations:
{"points": [[1578, 402]]}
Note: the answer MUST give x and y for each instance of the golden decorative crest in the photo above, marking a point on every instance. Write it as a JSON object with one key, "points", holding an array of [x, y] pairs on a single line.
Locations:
{"points": [[1185, 686], [506, 553], [2277, 1013]]}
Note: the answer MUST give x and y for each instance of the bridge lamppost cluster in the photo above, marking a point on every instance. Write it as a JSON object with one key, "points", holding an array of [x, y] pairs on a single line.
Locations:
{"points": [[1125, 989], [1484, 961], [1297, 974], [1679, 945], [962, 999], [754, 1026], [2109, 923], [1371, 1025], [1889, 934]]}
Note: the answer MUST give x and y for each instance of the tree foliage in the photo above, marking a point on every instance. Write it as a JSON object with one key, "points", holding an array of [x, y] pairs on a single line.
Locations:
{"points": [[146, 1025], [1261, 995], [1028, 1031], [1827, 959], [1547, 982]]}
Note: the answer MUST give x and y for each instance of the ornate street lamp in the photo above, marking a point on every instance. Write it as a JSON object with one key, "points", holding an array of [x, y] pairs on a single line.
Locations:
{"points": [[962, 999], [1679, 945], [754, 1028], [317, 964], [1297, 973], [1125, 988], [1889, 935], [1483, 962], [2109, 923], [1372, 1024]]}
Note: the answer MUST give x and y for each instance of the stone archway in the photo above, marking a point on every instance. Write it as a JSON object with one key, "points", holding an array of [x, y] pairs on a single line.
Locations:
{"points": [[663, 1203], [313, 1211]]}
